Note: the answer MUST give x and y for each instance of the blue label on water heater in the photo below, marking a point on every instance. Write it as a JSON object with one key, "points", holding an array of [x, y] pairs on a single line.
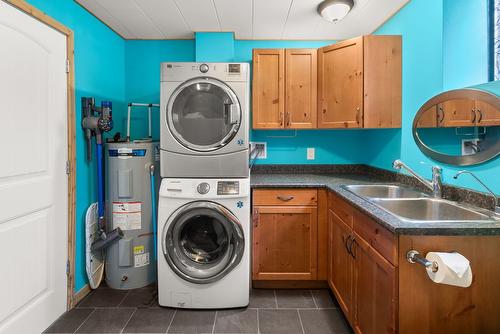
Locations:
{"points": [[127, 153]]}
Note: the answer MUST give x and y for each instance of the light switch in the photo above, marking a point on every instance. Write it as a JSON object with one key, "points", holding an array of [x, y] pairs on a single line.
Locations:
{"points": [[310, 153]]}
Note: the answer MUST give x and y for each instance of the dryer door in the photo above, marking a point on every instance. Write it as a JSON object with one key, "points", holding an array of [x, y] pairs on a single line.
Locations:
{"points": [[202, 242], [203, 114]]}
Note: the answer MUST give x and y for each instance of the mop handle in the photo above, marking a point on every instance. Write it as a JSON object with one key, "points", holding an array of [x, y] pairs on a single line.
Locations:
{"points": [[153, 206]]}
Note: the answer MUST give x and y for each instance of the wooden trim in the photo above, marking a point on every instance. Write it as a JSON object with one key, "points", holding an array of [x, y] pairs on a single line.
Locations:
{"points": [[81, 294], [71, 137], [259, 284]]}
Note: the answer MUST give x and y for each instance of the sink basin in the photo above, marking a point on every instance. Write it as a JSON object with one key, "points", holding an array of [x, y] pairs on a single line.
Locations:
{"points": [[433, 210], [383, 191]]}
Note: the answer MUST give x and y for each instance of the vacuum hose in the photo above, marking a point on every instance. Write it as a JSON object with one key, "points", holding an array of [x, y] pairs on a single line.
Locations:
{"points": [[107, 239]]}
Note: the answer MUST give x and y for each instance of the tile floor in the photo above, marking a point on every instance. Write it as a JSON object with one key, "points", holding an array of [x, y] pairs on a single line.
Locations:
{"points": [[270, 311]]}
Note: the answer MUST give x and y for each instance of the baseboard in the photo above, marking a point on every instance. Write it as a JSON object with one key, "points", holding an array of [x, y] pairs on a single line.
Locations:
{"points": [[290, 284], [80, 294]]}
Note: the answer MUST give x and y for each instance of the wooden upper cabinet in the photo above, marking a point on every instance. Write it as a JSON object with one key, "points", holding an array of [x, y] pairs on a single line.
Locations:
{"points": [[429, 118], [340, 85], [268, 89], [300, 88], [487, 115], [359, 83], [375, 291], [284, 243], [284, 88], [457, 112]]}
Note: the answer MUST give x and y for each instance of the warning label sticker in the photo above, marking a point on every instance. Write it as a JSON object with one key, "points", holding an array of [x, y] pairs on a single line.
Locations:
{"points": [[141, 260], [139, 249], [127, 215]]}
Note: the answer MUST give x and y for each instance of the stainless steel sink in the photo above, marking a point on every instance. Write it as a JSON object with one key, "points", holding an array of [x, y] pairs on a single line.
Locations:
{"points": [[434, 210], [383, 191]]}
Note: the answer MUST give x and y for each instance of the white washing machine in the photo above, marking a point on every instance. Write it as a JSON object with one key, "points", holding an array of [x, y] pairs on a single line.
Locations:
{"points": [[204, 243], [204, 119]]}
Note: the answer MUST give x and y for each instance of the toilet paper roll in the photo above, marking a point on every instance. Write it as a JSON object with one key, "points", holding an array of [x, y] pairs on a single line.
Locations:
{"points": [[453, 269]]}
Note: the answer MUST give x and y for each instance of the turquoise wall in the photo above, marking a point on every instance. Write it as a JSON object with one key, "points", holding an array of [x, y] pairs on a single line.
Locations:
{"points": [[429, 66], [465, 48], [99, 72]]}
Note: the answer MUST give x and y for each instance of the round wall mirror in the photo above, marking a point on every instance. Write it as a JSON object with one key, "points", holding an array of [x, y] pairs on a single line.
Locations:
{"points": [[459, 127]]}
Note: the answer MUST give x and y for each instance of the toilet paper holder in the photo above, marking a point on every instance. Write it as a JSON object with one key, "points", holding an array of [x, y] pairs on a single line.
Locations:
{"points": [[414, 256]]}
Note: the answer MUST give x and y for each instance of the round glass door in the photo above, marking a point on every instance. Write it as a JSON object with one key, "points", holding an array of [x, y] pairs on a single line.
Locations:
{"points": [[203, 114], [203, 242]]}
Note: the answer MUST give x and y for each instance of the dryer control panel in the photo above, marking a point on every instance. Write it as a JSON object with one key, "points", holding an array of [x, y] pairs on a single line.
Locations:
{"points": [[204, 188]]}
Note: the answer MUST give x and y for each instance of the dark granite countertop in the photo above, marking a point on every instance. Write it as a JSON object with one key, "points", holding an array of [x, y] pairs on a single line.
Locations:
{"points": [[333, 182]]}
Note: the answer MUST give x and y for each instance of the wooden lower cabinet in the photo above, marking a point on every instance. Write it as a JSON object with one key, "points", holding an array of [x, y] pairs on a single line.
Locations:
{"points": [[363, 281], [375, 290], [284, 243], [340, 262]]}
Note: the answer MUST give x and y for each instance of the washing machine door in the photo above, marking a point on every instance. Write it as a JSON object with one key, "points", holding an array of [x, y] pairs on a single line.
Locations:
{"points": [[203, 114], [202, 242]]}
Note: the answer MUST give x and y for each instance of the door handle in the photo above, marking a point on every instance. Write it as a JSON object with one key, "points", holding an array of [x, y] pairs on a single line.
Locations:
{"points": [[287, 119], [346, 241], [285, 198], [480, 115], [358, 109], [474, 116], [282, 119], [255, 217], [441, 114], [351, 249]]}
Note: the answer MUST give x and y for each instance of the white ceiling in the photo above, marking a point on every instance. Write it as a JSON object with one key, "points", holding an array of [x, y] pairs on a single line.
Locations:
{"points": [[248, 19]]}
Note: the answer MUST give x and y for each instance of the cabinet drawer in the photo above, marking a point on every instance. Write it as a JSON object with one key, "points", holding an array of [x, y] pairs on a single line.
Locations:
{"points": [[342, 209], [381, 239], [285, 196]]}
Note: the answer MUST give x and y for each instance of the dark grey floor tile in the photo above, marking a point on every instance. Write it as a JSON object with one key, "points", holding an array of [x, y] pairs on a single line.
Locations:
{"points": [[324, 299], [279, 321], [150, 321], [103, 297], [262, 298], [69, 321], [236, 321], [192, 321], [106, 320], [324, 322], [295, 299], [140, 298]]}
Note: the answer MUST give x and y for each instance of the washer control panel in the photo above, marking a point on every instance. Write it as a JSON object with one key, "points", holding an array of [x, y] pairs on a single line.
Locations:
{"points": [[203, 188], [228, 188]]}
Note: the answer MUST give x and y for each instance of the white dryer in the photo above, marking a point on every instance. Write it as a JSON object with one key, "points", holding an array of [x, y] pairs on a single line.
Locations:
{"points": [[204, 243], [204, 119]]}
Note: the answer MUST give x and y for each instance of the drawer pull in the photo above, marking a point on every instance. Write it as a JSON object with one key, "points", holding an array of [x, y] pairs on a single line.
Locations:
{"points": [[284, 198]]}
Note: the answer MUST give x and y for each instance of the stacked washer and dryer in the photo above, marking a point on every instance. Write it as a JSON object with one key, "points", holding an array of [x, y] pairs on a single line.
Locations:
{"points": [[204, 199]]}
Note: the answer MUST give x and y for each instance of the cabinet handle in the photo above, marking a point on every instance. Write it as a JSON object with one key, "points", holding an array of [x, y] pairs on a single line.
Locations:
{"points": [[480, 115], [441, 113], [287, 119], [358, 109], [282, 119], [346, 241], [284, 198], [473, 116], [351, 249], [255, 217]]}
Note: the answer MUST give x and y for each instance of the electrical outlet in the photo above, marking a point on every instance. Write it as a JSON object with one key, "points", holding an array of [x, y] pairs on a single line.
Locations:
{"points": [[261, 147], [310, 153]]}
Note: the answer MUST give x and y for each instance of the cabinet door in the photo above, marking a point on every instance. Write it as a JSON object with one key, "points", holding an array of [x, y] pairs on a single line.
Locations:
{"points": [[341, 263], [375, 291], [285, 243], [301, 88], [340, 85], [428, 118], [268, 88], [487, 114], [457, 112]]}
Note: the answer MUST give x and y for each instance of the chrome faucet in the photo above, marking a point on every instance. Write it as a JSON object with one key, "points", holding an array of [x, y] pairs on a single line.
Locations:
{"points": [[495, 199], [436, 185]]}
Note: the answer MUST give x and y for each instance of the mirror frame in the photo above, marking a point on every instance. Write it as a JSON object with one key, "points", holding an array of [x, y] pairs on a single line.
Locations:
{"points": [[466, 160]]}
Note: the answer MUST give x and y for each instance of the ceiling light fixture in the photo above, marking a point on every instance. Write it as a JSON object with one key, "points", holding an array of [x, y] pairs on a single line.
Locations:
{"points": [[335, 10]]}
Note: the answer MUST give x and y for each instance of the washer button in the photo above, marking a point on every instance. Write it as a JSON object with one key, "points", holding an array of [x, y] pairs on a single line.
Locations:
{"points": [[204, 68], [203, 188]]}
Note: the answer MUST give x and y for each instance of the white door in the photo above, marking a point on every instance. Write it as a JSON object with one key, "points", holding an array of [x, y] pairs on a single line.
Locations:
{"points": [[33, 182]]}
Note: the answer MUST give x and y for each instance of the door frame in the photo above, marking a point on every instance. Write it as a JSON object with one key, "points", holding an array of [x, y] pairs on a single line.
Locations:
{"points": [[71, 167]]}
